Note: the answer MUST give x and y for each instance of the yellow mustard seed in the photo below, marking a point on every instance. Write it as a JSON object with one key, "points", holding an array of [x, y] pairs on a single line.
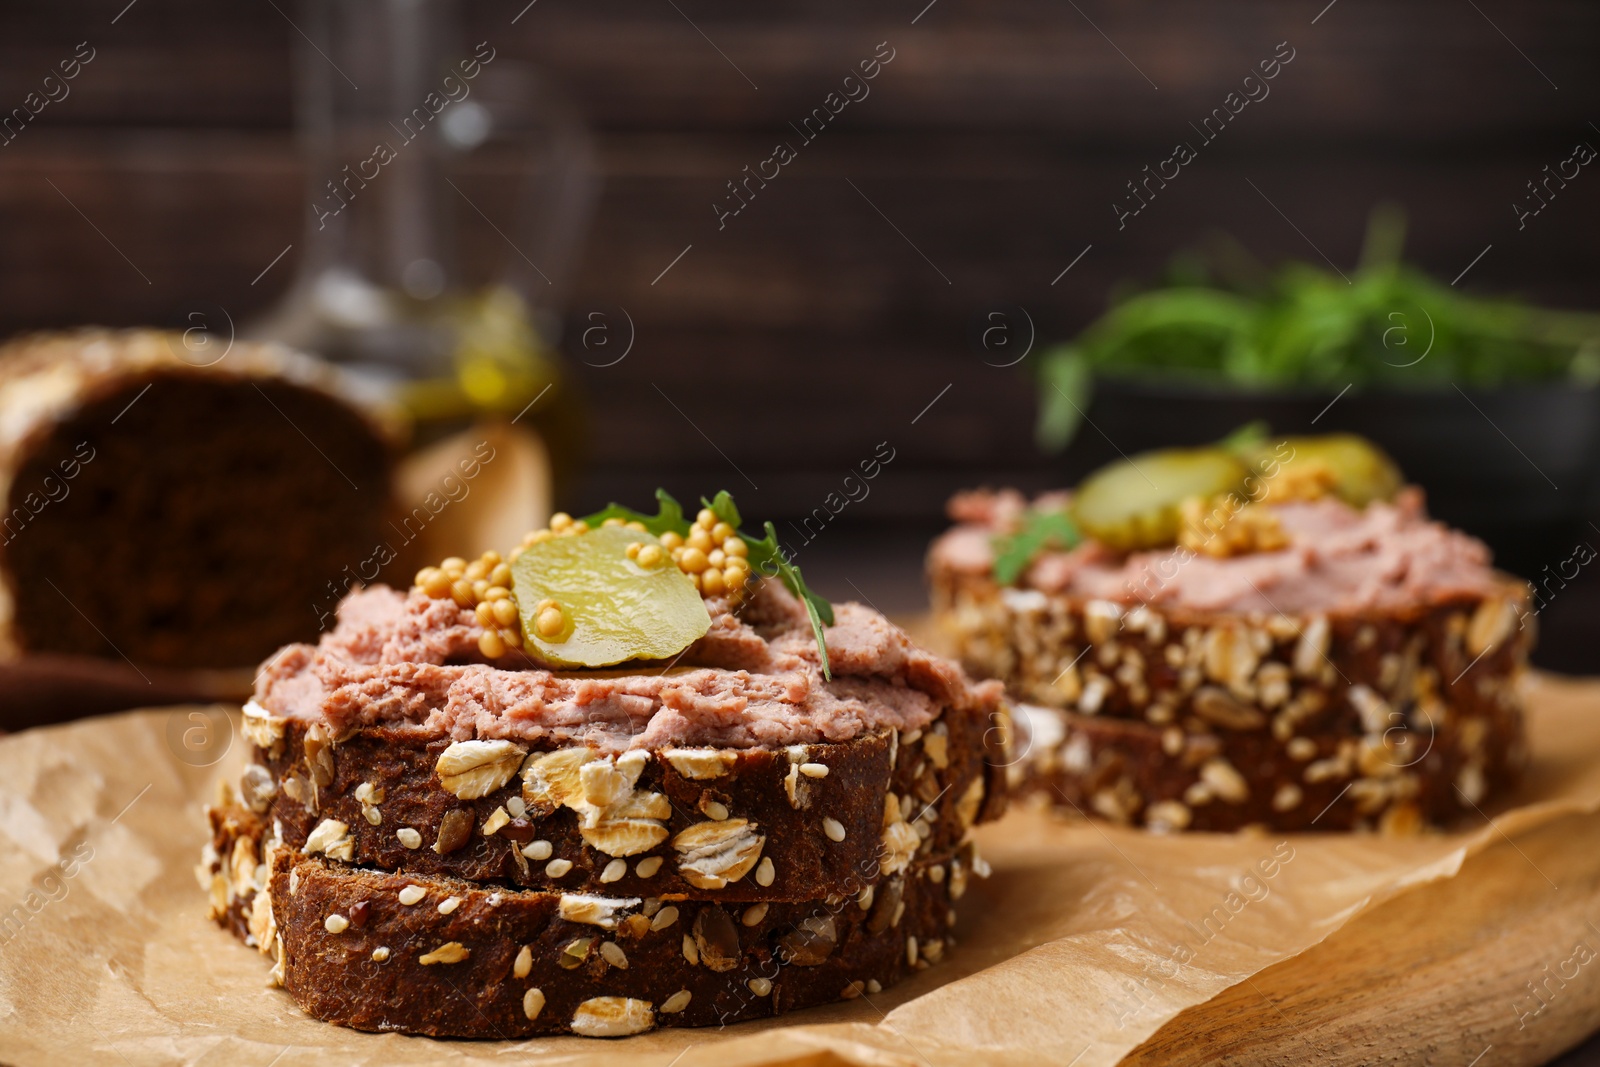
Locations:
{"points": [[671, 540], [711, 582], [579, 527], [504, 611], [550, 622], [560, 520], [496, 592], [480, 588], [437, 584], [500, 575], [699, 538], [693, 560], [694, 579], [721, 532], [512, 636], [454, 564], [651, 556], [476, 569], [735, 578], [706, 518], [637, 525], [735, 546], [491, 644], [613, 521], [485, 613], [716, 557], [461, 592], [633, 549]]}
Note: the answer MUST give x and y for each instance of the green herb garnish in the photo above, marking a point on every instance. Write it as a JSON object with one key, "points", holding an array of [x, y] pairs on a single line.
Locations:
{"points": [[1041, 530], [766, 555], [1226, 320], [668, 517]]}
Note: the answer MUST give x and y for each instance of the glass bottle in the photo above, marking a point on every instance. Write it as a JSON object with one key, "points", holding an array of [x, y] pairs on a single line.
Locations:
{"points": [[447, 194]]}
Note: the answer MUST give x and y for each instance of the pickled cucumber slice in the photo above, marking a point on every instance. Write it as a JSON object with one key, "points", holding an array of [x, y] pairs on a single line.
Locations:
{"points": [[614, 610], [1360, 471], [1134, 503]]}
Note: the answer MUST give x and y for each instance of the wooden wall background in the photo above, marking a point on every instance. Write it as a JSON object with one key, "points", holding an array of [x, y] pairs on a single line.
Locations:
{"points": [[809, 330]]}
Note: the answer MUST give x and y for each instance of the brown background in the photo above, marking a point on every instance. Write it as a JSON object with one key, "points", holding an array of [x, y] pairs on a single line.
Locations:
{"points": [[809, 330]]}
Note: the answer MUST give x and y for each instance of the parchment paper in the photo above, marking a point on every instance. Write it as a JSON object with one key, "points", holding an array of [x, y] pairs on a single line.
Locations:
{"points": [[1086, 941]]}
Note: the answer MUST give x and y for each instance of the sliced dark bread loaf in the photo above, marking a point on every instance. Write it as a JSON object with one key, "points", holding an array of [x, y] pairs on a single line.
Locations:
{"points": [[178, 504]]}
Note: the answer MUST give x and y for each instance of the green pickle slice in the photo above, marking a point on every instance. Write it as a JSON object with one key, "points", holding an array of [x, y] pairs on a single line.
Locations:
{"points": [[1361, 471], [615, 610], [1134, 503]]}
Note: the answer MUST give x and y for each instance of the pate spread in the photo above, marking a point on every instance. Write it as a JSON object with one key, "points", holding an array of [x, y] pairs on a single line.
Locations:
{"points": [[754, 680], [1339, 560]]}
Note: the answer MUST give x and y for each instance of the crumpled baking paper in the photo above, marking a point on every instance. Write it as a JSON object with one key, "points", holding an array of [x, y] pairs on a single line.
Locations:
{"points": [[1089, 945]]}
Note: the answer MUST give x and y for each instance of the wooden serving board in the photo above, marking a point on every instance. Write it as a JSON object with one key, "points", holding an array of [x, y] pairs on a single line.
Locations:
{"points": [[1498, 966]]}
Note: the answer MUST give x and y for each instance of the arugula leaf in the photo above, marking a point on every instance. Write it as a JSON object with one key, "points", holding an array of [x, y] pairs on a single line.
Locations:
{"points": [[668, 517], [1040, 530], [722, 504], [766, 555]]}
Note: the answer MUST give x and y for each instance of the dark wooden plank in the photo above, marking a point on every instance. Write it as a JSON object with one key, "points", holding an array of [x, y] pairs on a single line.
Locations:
{"points": [[202, 215], [1427, 70]]}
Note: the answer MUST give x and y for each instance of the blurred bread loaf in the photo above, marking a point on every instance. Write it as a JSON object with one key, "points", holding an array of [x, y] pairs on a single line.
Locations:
{"points": [[179, 504]]}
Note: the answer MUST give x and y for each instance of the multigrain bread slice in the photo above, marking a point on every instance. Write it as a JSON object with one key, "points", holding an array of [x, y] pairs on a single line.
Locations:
{"points": [[1166, 779], [178, 500], [740, 773], [1385, 719], [1375, 659], [737, 824], [421, 954]]}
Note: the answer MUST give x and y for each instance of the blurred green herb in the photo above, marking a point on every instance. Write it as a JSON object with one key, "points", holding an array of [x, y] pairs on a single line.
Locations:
{"points": [[1229, 321], [1246, 437], [1040, 530], [766, 555]]}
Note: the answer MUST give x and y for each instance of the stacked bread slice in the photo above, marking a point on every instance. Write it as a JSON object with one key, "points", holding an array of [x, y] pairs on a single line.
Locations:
{"points": [[1363, 677], [430, 842]]}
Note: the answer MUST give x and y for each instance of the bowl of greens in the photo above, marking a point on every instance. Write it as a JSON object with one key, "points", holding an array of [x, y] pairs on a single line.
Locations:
{"points": [[1491, 404]]}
